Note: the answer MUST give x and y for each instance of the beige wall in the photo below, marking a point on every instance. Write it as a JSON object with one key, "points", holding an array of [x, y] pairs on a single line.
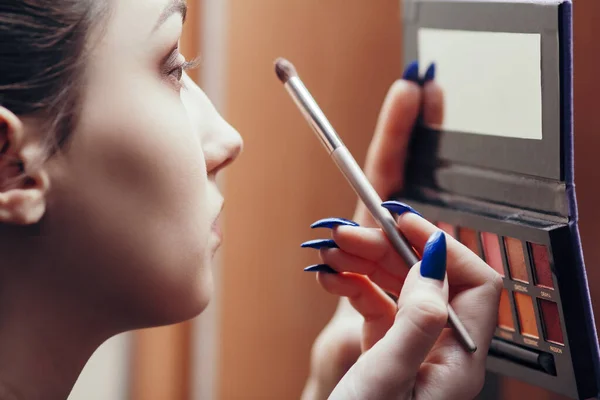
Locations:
{"points": [[348, 53]]}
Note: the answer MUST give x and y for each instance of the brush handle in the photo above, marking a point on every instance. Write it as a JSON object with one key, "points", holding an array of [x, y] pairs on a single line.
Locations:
{"points": [[365, 191], [313, 114], [361, 185]]}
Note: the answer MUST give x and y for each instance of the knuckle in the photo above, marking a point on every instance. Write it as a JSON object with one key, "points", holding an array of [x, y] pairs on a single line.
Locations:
{"points": [[427, 316], [432, 312], [497, 283]]}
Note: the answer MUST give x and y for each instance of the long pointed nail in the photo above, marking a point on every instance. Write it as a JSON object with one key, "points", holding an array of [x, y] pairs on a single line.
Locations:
{"points": [[411, 73], [332, 222], [399, 207], [320, 268], [433, 264], [430, 73], [320, 244]]}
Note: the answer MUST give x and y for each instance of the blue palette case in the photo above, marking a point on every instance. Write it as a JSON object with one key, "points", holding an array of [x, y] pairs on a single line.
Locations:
{"points": [[506, 188]]}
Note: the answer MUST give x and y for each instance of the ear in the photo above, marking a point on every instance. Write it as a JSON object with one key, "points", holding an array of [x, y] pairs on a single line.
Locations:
{"points": [[23, 186]]}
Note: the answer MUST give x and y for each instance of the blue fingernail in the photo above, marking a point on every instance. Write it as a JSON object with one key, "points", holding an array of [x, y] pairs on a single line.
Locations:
{"points": [[399, 208], [433, 264], [411, 73], [430, 73], [320, 244], [332, 222], [326, 269]]}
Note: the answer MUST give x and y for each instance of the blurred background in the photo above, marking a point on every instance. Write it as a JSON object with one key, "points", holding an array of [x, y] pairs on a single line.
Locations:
{"points": [[254, 340]]}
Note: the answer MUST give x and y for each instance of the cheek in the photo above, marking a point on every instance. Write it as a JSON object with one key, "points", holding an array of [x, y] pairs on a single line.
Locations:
{"points": [[137, 198], [147, 148]]}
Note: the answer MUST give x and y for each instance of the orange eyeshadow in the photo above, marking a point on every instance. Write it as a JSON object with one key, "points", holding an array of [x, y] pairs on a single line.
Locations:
{"points": [[468, 237], [526, 315], [491, 250], [516, 259]]}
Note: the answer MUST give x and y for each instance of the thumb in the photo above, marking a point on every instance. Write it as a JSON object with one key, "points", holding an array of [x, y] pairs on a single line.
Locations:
{"points": [[423, 304], [389, 369]]}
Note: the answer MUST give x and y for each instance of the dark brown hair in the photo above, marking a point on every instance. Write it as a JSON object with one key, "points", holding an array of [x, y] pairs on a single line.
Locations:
{"points": [[43, 47]]}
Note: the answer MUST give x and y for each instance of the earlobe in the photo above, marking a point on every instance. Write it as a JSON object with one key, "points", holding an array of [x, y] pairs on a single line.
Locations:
{"points": [[23, 187]]}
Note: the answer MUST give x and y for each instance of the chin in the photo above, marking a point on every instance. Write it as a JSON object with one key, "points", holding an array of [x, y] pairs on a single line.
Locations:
{"points": [[197, 298], [180, 303]]}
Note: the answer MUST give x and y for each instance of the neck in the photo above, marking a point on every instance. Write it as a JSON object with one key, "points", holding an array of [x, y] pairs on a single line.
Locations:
{"points": [[45, 341]]}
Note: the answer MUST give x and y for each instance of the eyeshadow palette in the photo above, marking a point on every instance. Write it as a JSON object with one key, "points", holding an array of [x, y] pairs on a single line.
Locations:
{"points": [[542, 334], [530, 327], [498, 175]]}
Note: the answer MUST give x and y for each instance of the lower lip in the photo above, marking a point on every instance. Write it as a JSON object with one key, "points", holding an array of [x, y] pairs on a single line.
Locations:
{"points": [[217, 230]]}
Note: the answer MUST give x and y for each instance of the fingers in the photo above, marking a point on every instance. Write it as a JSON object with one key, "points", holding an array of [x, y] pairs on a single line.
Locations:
{"points": [[342, 261], [392, 132], [367, 251], [448, 363], [390, 368], [385, 162], [433, 105], [369, 300], [423, 304], [371, 244], [476, 287], [368, 243], [362, 251], [384, 165], [465, 268], [335, 350]]}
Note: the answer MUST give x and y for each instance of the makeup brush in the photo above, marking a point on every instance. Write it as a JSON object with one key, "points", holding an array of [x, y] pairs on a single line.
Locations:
{"points": [[351, 170]]}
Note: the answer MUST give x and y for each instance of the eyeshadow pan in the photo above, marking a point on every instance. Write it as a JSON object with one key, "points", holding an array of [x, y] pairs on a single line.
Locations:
{"points": [[516, 259], [505, 319], [446, 227], [526, 315], [468, 237], [491, 250], [552, 329], [543, 274]]}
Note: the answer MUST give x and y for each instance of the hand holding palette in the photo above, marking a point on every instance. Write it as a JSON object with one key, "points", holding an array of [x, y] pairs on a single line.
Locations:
{"points": [[498, 175]]}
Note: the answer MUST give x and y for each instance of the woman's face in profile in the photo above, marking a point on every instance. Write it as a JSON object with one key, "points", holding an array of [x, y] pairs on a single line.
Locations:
{"points": [[133, 204]]}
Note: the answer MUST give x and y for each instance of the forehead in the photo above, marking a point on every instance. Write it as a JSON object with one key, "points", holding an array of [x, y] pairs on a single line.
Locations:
{"points": [[134, 20]]}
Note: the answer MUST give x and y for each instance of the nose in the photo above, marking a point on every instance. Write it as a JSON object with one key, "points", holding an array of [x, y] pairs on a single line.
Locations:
{"points": [[221, 143], [222, 147]]}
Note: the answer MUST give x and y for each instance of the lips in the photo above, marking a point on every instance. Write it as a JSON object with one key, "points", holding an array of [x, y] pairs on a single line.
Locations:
{"points": [[216, 228], [215, 225]]}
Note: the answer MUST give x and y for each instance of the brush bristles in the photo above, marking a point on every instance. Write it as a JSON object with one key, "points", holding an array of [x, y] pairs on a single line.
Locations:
{"points": [[284, 70]]}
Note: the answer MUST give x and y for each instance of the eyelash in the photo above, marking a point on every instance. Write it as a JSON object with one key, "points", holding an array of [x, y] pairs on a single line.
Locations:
{"points": [[175, 74]]}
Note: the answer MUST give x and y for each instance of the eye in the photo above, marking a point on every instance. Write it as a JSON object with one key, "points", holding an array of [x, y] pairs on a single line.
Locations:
{"points": [[177, 73], [175, 65]]}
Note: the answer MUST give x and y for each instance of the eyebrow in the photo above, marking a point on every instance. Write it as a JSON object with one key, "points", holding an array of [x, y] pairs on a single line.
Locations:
{"points": [[174, 7]]}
